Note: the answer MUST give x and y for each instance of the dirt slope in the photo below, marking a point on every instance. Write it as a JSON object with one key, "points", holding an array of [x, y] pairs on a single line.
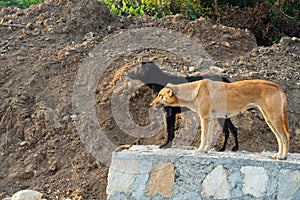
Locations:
{"points": [[41, 50]]}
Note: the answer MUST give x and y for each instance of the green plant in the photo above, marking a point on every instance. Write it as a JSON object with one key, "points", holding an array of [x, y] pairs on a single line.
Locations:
{"points": [[194, 9], [138, 8], [291, 9], [160, 8], [19, 3]]}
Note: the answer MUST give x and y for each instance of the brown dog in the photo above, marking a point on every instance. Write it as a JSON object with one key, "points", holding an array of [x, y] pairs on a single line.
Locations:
{"points": [[156, 79], [212, 99]]}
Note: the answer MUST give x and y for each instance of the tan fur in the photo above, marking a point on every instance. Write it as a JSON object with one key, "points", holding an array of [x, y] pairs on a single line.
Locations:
{"points": [[212, 99]]}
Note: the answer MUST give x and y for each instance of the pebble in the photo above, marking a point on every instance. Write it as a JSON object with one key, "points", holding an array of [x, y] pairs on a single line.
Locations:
{"points": [[27, 195], [216, 69], [23, 143], [297, 131], [192, 69]]}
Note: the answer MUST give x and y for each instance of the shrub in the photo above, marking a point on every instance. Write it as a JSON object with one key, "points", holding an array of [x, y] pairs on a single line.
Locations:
{"points": [[19, 3], [159, 8]]}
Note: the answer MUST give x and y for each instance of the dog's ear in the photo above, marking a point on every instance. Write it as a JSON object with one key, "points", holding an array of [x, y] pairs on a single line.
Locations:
{"points": [[186, 91], [169, 92]]}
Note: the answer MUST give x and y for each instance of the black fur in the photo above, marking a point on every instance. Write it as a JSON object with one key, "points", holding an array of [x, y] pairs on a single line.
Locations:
{"points": [[153, 77]]}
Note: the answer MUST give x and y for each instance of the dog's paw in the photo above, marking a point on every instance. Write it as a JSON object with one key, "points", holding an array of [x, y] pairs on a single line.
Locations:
{"points": [[235, 148], [221, 149], [200, 151], [279, 157], [122, 147], [166, 145]]}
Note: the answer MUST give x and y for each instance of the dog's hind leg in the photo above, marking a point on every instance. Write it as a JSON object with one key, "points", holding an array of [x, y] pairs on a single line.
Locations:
{"points": [[225, 134], [227, 125], [234, 131], [275, 124], [284, 138]]}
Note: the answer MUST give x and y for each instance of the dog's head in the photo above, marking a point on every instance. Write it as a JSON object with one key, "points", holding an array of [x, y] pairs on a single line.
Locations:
{"points": [[174, 95], [165, 97]]}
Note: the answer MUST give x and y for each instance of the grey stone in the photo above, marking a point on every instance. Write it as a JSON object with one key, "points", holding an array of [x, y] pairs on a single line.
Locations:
{"points": [[27, 195], [288, 180], [255, 180], [216, 184]]}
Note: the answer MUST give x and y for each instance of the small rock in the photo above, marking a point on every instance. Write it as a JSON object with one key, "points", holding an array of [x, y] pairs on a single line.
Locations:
{"points": [[216, 69], [253, 73], [29, 25], [23, 143], [89, 36], [91, 55], [109, 29], [74, 117], [297, 131], [27, 195], [285, 41], [66, 118], [192, 69], [226, 44]]}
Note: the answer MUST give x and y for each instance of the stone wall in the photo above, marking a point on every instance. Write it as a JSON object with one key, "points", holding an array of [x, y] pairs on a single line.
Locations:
{"points": [[147, 172]]}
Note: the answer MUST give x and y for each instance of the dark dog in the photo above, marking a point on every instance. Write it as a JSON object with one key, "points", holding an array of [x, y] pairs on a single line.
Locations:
{"points": [[153, 77]]}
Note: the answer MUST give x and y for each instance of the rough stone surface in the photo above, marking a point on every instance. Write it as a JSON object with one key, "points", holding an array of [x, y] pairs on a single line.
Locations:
{"points": [[289, 180], [178, 173], [161, 180], [125, 170], [216, 184], [255, 180]]}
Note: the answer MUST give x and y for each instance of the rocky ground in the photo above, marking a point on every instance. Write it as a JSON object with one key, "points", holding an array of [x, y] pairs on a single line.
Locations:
{"points": [[41, 51]]}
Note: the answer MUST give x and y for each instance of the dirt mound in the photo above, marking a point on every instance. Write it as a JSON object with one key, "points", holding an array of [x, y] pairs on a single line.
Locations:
{"points": [[70, 17], [221, 42], [265, 21], [41, 50]]}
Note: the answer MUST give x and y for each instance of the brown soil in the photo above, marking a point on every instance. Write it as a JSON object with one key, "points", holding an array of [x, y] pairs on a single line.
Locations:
{"points": [[41, 50]]}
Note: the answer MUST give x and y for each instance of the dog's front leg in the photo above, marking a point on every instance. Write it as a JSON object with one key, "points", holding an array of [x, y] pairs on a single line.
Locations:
{"points": [[206, 134], [169, 121]]}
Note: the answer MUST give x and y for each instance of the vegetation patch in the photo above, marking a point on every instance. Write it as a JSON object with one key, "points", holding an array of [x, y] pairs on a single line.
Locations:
{"points": [[159, 8], [19, 3], [268, 20]]}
